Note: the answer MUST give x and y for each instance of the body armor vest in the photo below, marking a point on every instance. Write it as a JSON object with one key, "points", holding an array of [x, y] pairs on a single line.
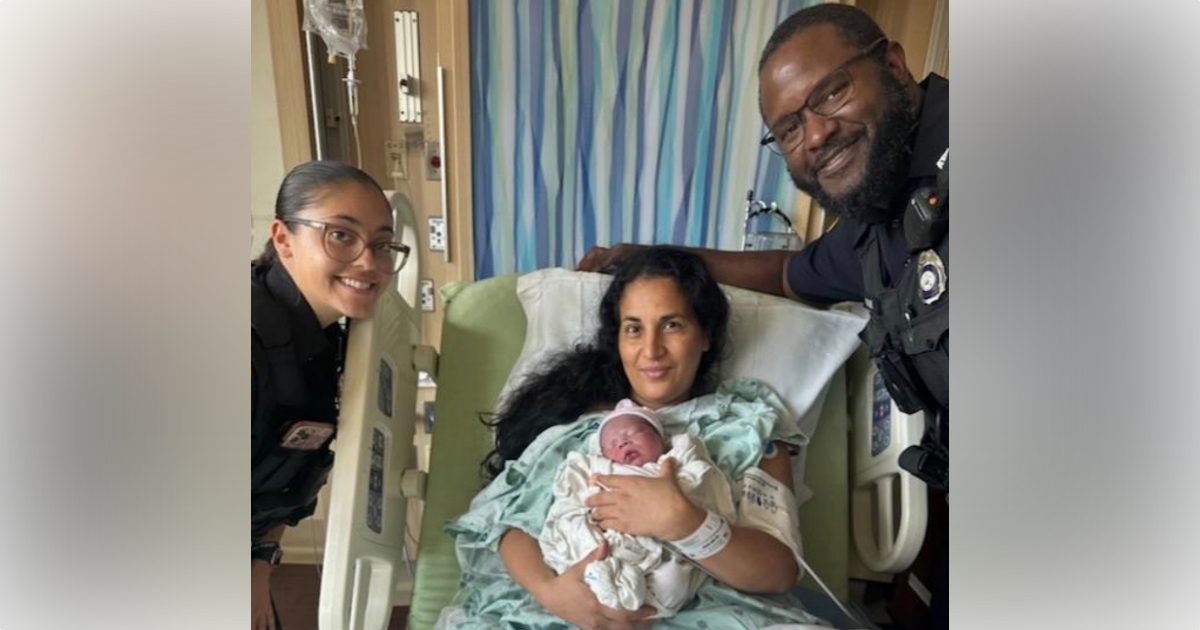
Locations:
{"points": [[907, 334], [286, 473]]}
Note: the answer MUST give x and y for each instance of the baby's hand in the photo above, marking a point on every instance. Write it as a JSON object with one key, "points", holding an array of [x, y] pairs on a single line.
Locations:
{"points": [[594, 479]]}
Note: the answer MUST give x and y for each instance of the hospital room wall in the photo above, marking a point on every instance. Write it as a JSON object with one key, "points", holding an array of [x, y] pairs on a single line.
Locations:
{"points": [[442, 35], [266, 152], [279, 137]]}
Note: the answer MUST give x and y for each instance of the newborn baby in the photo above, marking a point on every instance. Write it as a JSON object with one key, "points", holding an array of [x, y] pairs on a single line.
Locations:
{"points": [[632, 435], [638, 570]]}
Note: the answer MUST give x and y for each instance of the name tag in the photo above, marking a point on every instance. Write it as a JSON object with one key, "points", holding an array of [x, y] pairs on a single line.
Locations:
{"points": [[307, 435]]}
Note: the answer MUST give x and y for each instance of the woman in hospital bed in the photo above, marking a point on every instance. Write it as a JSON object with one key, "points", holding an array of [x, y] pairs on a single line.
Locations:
{"points": [[662, 331]]}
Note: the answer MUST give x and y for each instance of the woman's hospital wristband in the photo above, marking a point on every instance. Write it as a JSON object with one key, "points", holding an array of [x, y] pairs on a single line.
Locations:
{"points": [[710, 538]]}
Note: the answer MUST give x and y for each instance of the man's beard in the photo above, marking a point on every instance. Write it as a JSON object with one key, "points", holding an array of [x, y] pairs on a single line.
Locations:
{"points": [[887, 161]]}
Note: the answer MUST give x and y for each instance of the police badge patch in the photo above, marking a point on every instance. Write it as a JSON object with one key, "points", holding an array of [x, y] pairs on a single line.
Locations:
{"points": [[931, 281], [307, 435]]}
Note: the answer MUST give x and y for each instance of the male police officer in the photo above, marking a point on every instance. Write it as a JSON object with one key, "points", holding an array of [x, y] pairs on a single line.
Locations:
{"points": [[871, 146]]}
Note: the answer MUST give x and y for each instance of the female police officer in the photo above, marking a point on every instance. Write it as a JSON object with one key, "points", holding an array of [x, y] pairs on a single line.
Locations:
{"points": [[331, 253]]}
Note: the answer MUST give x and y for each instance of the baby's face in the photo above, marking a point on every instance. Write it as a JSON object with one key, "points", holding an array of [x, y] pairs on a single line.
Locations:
{"points": [[630, 440]]}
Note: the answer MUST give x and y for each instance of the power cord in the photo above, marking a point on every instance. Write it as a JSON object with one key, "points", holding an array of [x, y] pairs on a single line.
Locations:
{"points": [[838, 602]]}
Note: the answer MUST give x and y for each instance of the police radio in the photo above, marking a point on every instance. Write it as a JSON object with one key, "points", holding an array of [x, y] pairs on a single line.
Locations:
{"points": [[927, 218]]}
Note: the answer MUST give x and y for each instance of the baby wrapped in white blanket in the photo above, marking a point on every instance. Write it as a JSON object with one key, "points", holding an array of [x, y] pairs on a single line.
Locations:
{"points": [[638, 569]]}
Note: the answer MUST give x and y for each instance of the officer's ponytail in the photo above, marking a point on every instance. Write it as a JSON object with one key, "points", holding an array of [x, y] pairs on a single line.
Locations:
{"points": [[304, 186]]}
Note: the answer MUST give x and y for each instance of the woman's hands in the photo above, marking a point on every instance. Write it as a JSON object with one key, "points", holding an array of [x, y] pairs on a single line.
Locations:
{"points": [[645, 506], [262, 615], [569, 598]]}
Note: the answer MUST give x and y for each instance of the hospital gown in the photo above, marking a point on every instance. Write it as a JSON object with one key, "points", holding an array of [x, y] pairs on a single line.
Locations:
{"points": [[735, 424], [638, 569]]}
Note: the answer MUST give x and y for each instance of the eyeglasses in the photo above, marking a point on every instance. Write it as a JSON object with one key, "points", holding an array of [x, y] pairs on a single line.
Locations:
{"points": [[346, 245], [829, 96]]}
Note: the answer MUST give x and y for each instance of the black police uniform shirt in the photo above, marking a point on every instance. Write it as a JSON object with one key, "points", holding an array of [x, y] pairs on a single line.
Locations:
{"points": [[319, 356], [829, 269]]}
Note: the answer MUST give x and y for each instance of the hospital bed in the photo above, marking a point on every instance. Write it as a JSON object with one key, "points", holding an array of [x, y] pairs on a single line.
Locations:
{"points": [[483, 336]]}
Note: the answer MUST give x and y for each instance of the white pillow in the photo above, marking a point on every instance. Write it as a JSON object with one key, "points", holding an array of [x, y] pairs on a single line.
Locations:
{"points": [[793, 348]]}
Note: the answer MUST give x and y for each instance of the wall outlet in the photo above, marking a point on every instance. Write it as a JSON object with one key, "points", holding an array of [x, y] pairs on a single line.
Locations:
{"points": [[426, 295], [437, 234]]}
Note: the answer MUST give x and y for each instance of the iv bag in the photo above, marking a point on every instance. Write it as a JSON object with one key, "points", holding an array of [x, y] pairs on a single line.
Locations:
{"points": [[341, 23]]}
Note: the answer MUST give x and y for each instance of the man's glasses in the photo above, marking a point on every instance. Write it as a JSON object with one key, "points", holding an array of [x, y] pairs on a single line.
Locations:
{"points": [[829, 96], [346, 245]]}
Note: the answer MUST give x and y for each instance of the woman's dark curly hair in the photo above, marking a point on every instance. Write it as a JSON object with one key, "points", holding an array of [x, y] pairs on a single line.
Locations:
{"points": [[590, 376]]}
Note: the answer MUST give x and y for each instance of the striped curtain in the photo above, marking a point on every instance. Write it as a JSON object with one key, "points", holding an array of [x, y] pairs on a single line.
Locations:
{"points": [[600, 122]]}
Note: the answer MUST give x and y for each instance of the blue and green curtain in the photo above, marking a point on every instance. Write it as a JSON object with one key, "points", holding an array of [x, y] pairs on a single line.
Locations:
{"points": [[600, 122]]}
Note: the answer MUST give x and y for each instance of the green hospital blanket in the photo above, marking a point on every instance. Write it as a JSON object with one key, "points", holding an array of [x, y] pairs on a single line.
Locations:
{"points": [[735, 423]]}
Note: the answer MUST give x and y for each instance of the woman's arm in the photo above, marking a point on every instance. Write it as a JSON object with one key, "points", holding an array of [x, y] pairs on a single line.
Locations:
{"points": [[755, 561], [566, 596], [751, 561], [523, 558]]}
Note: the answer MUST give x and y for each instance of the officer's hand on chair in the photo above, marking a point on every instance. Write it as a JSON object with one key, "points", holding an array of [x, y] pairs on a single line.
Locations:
{"points": [[569, 598], [601, 259]]}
